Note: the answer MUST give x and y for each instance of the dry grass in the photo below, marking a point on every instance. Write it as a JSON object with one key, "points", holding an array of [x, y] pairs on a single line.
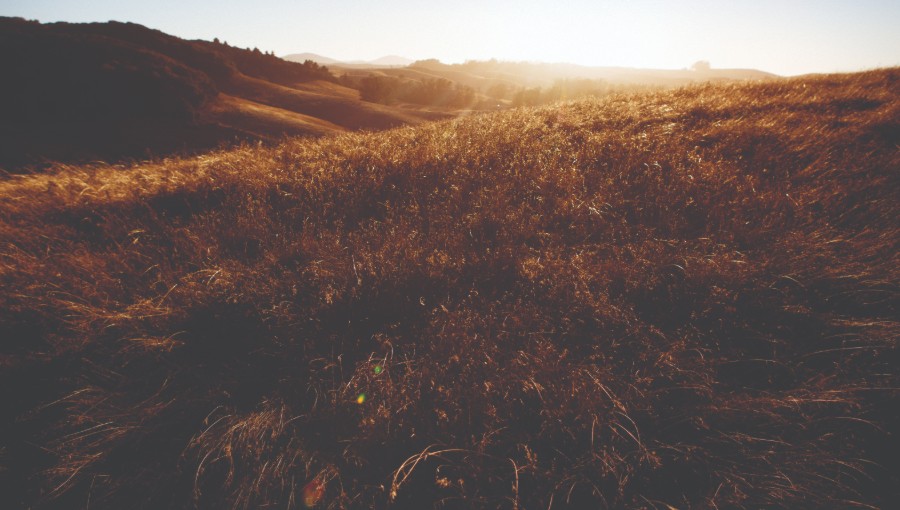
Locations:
{"points": [[684, 299]]}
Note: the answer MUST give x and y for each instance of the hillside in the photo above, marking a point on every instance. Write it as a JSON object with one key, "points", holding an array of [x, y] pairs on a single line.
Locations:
{"points": [[303, 57], [77, 92], [385, 61], [501, 81], [677, 299]]}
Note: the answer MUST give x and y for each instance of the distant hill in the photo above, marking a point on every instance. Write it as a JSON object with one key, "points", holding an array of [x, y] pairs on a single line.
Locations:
{"points": [[112, 91], [495, 84], [386, 61], [391, 60], [530, 74], [303, 57]]}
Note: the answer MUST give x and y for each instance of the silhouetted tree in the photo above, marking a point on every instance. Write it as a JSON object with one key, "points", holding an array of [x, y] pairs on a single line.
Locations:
{"points": [[376, 89]]}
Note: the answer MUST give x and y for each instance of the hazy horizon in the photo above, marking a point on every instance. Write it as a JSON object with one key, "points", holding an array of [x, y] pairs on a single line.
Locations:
{"points": [[803, 37]]}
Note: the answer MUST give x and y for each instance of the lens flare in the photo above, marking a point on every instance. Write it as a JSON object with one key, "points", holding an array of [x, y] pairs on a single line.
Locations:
{"points": [[378, 369], [313, 492], [361, 399]]}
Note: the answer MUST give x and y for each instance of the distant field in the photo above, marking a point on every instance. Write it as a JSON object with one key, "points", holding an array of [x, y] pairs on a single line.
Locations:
{"points": [[681, 299]]}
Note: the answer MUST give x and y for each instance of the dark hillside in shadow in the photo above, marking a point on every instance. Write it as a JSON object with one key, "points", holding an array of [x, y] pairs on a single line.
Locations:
{"points": [[77, 92]]}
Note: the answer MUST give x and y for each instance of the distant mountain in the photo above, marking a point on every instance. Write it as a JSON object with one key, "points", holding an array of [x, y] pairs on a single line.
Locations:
{"points": [[386, 61], [303, 57], [111, 91]]}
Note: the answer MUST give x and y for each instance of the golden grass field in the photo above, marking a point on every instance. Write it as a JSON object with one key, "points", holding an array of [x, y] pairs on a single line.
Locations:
{"points": [[682, 299]]}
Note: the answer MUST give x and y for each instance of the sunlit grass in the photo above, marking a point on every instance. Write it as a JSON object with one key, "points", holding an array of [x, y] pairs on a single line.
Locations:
{"points": [[680, 299]]}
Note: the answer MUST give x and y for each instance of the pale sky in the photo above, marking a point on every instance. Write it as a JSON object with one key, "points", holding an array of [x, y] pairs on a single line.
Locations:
{"points": [[782, 36]]}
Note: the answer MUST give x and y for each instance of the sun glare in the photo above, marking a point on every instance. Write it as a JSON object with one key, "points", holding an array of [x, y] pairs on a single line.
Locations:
{"points": [[781, 37]]}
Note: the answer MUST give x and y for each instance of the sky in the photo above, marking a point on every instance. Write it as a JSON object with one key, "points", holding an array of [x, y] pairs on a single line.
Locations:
{"points": [[786, 37]]}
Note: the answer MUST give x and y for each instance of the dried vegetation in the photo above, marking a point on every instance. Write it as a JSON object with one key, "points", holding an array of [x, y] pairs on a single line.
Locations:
{"points": [[682, 299]]}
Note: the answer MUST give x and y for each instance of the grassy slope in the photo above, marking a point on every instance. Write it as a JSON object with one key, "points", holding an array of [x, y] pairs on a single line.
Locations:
{"points": [[258, 119], [687, 298], [116, 91], [332, 103]]}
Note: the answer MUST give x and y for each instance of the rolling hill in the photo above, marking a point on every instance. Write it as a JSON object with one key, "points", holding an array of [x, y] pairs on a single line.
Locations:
{"points": [[303, 57], [496, 84], [531, 74], [76, 92], [385, 61], [672, 299], [120, 91]]}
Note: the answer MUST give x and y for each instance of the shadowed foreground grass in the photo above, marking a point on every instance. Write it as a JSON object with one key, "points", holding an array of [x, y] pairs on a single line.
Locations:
{"points": [[684, 299]]}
